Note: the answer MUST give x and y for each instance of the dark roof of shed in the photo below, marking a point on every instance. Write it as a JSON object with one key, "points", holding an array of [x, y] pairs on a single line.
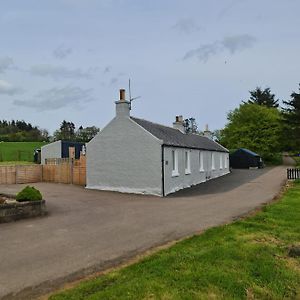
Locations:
{"points": [[174, 137], [248, 151]]}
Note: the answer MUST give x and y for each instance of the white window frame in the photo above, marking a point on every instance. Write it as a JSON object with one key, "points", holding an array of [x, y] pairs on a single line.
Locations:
{"points": [[225, 161], [213, 165], [174, 163], [187, 162], [201, 162], [221, 161]]}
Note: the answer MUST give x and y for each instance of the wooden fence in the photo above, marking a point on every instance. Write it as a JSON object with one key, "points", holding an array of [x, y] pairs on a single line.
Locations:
{"points": [[64, 170], [56, 170], [20, 174], [293, 174]]}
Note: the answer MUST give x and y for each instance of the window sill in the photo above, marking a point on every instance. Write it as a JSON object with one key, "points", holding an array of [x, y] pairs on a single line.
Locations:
{"points": [[187, 172], [201, 170], [175, 174]]}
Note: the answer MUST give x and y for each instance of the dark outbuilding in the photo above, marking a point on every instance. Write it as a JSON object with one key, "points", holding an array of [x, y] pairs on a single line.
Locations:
{"points": [[245, 159]]}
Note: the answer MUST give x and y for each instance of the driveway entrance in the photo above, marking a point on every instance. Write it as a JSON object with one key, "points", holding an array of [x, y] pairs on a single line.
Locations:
{"points": [[89, 230]]}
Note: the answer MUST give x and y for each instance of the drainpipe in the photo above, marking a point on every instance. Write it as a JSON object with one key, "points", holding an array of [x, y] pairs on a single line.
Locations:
{"points": [[163, 169]]}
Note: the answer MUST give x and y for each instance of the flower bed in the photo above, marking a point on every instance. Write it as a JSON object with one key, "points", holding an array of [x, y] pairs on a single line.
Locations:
{"points": [[12, 210]]}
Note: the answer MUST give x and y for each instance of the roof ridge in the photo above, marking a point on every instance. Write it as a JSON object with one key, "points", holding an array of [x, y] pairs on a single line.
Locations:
{"points": [[157, 124]]}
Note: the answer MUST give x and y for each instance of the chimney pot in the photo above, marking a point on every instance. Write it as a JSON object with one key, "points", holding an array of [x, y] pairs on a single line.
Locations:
{"points": [[122, 95], [178, 124]]}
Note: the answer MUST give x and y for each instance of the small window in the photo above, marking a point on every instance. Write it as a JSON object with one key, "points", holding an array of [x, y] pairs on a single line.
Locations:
{"points": [[213, 161], [187, 162], [225, 161], [174, 163], [221, 161], [201, 164]]}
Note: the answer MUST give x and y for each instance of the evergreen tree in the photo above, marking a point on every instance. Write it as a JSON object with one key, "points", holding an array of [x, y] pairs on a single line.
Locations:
{"points": [[291, 114], [263, 97], [190, 125]]}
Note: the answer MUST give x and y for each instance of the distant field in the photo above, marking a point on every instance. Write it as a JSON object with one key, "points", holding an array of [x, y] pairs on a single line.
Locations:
{"points": [[18, 151]]}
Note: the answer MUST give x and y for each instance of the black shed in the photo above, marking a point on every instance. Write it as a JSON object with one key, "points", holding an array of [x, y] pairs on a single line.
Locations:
{"points": [[65, 145], [244, 159]]}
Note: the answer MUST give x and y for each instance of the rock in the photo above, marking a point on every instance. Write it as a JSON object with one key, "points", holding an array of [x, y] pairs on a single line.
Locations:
{"points": [[294, 251]]}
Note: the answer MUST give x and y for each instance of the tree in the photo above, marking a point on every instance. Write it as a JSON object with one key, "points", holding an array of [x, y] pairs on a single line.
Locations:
{"points": [[291, 116], [255, 127], [86, 134], [66, 131], [263, 97], [190, 125]]}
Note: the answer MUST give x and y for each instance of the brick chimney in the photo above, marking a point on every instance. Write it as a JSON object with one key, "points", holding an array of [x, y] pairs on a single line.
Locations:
{"points": [[122, 106], [178, 124]]}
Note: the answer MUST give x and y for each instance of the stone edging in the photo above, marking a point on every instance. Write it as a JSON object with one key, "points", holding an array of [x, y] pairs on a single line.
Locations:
{"points": [[10, 212]]}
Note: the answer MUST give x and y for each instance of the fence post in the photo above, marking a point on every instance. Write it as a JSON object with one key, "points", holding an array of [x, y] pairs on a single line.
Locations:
{"points": [[16, 173]]}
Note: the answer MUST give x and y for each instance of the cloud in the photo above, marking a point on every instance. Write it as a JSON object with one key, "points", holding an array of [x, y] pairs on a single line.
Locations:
{"points": [[204, 52], [56, 98], [8, 89], [238, 42], [114, 80], [186, 26], [232, 44], [5, 63], [107, 69], [59, 72], [62, 52], [227, 8]]}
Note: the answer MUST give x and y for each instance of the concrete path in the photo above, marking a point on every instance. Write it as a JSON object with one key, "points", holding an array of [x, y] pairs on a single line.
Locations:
{"points": [[87, 231]]}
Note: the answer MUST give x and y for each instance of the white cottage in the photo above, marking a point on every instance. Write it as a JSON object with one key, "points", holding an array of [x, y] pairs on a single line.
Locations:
{"points": [[137, 156]]}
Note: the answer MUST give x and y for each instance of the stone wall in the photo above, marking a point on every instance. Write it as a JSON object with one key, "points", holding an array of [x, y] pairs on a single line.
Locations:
{"points": [[14, 211]]}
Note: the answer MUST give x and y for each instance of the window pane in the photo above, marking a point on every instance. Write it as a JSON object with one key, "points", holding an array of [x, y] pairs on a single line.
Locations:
{"points": [[173, 160]]}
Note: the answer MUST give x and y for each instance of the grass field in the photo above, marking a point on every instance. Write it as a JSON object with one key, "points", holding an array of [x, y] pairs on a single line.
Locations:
{"points": [[247, 259], [18, 151]]}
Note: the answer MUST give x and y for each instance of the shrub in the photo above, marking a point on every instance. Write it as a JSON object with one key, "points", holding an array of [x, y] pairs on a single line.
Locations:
{"points": [[29, 193]]}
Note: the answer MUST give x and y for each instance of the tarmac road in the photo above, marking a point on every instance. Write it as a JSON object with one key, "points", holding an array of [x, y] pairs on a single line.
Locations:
{"points": [[87, 230]]}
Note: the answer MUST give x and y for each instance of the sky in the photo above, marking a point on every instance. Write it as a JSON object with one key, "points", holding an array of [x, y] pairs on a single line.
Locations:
{"points": [[67, 59]]}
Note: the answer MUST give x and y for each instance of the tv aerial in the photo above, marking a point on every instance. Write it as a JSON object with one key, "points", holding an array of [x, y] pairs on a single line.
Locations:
{"points": [[130, 98]]}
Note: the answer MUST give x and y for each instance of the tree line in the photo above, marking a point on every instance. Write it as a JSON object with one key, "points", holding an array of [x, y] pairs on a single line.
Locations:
{"points": [[262, 125], [21, 131]]}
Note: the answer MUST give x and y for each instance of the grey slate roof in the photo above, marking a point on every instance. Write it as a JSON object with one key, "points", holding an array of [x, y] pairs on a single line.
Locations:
{"points": [[174, 137]]}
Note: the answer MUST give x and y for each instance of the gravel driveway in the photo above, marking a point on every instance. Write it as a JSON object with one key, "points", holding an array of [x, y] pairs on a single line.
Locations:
{"points": [[88, 230]]}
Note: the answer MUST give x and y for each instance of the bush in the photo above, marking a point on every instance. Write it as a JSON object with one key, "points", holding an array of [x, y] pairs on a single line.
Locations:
{"points": [[272, 159], [29, 193]]}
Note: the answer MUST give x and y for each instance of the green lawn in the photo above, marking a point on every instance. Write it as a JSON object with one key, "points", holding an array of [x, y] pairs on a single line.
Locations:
{"points": [[18, 151], [247, 259]]}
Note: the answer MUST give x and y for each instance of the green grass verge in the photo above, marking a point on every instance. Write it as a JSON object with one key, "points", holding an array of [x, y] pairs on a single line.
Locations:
{"points": [[247, 259], [18, 151]]}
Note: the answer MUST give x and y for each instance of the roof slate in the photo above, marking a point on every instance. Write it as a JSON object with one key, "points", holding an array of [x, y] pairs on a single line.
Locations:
{"points": [[174, 137]]}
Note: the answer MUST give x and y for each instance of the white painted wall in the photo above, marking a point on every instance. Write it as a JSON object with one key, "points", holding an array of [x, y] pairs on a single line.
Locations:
{"points": [[196, 175], [124, 157], [52, 150]]}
